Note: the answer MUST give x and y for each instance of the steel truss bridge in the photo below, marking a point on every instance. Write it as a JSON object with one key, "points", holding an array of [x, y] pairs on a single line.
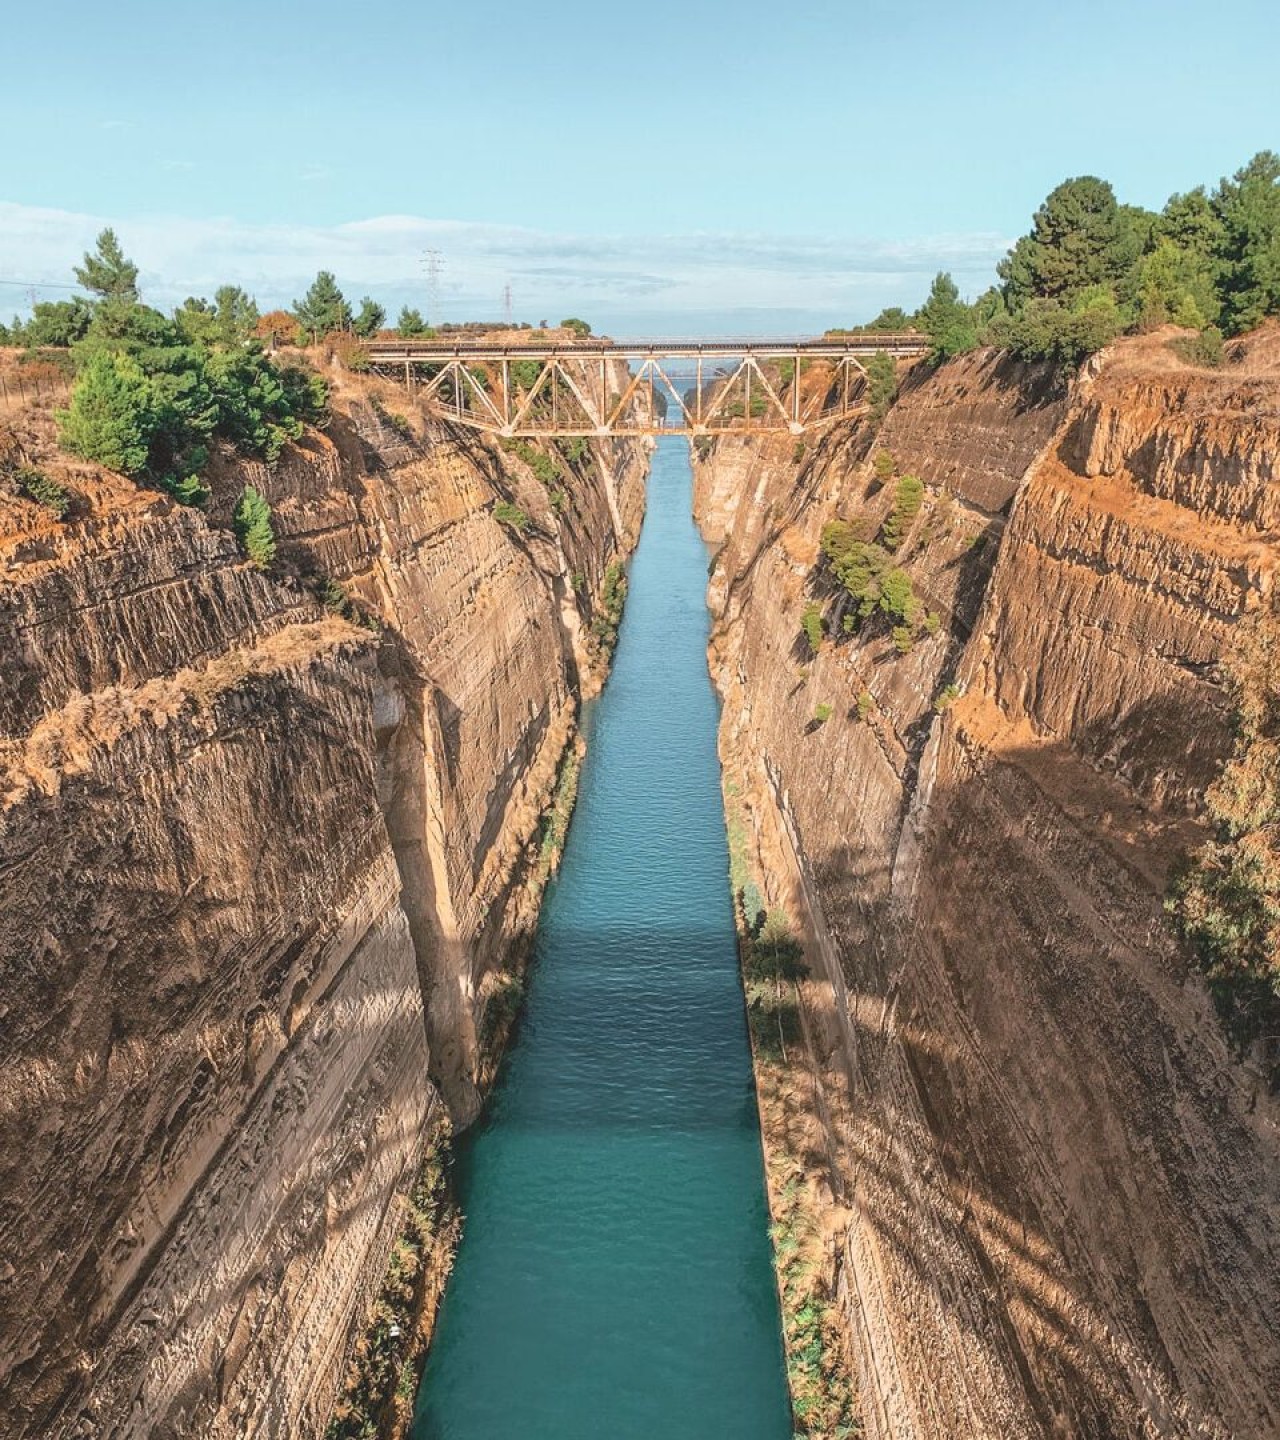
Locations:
{"points": [[608, 388]]}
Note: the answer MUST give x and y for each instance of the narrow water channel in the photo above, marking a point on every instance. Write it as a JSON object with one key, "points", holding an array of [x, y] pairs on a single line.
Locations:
{"points": [[614, 1278]]}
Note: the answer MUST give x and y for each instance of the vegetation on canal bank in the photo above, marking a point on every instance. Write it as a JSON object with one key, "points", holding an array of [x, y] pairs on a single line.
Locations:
{"points": [[819, 1366], [377, 1396]]}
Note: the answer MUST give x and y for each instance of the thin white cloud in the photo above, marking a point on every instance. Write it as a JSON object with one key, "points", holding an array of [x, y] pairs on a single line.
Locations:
{"points": [[831, 278]]}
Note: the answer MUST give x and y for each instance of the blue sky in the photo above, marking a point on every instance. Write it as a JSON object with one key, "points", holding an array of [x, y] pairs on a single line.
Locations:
{"points": [[798, 163]]}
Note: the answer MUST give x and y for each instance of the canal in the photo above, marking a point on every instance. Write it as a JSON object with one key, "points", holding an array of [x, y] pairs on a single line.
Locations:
{"points": [[614, 1277]]}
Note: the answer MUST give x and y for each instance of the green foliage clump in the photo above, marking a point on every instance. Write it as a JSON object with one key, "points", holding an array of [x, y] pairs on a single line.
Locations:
{"points": [[947, 320], [544, 466], [381, 1378], [1205, 349], [882, 384], [821, 713], [38, 486], [505, 513], [369, 319], [323, 309], [251, 521], [112, 416], [866, 703], [884, 466], [411, 325], [840, 536], [811, 624], [1091, 269], [231, 320], [1227, 902], [555, 823], [152, 393], [907, 500], [575, 449], [525, 374], [942, 700], [613, 595], [579, 327]]}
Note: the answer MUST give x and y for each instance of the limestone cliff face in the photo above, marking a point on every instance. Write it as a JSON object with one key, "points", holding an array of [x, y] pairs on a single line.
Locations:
{"points": [[257, 862], [1056, 1192]]}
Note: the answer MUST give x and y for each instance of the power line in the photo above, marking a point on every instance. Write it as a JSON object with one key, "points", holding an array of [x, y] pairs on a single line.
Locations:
{"points": [[40, 285]]}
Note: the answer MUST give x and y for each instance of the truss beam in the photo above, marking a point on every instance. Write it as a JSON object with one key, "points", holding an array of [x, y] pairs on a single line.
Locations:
{"points": [[473, 385]]}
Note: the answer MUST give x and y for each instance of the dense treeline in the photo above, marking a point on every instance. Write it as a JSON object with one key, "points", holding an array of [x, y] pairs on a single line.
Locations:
{"points": [[153, 391], [1091, 269]]}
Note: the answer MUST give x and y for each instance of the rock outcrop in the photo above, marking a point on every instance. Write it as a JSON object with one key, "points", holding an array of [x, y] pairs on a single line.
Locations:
{"points": [[1056, 1192], [260, 859]]}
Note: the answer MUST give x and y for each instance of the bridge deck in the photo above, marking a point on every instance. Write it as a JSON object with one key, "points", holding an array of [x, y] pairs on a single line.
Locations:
{"points": [[826, 348]]}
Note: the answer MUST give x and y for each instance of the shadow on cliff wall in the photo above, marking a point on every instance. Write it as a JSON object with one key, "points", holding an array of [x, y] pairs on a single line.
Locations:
{"points": [[1039, 1109]]}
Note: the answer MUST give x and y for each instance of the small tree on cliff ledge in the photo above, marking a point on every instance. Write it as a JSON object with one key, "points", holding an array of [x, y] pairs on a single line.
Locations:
{"points": [[252, 523]]}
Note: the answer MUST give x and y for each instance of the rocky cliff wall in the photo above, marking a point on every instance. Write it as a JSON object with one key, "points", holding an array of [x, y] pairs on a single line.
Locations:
{"points": [[260, 863], [1053, 1191]]}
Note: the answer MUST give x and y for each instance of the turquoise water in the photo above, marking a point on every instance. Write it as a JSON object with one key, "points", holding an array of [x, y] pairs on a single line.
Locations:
{"points": [[614, 1279]]}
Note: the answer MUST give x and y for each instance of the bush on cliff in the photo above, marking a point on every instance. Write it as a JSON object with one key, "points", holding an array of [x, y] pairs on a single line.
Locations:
{"points": [[1227, 902], [38, 486], [113, 416], [153, 393], [811, 624], [251, 521], [505, 513]]}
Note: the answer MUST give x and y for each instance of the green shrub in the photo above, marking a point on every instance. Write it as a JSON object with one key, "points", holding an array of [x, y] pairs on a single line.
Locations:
{"points": [[884, 466], [579, 327], [897, 598], [907, 500], [505, 513], [37, 486], [811, 624], [613, 594], [821, 713], [112, 416], [797, 452], [932, 622], [543, 465], [1204, 349], [904, 637], [942, 700], [251, 521], [866, 703], [882, 384], [525, 373]]}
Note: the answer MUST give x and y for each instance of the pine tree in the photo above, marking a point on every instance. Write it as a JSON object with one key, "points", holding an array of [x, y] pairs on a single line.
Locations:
{"points": [[947, 320], [112, 416], [410, 324], [107, 272], [252, 523], [370, 319], [323, 309], [1248, 207]]}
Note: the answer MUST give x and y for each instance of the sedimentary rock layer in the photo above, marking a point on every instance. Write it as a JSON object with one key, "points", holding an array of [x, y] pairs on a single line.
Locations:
{"points": [[257, 859], [1059, 1192]]}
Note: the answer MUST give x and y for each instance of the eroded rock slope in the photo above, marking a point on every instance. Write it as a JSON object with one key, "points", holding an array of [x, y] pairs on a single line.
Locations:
{"points": [[1055, 1195], [259, 861]]}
